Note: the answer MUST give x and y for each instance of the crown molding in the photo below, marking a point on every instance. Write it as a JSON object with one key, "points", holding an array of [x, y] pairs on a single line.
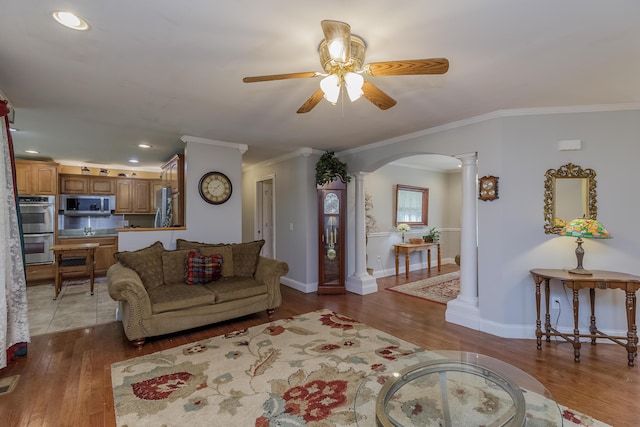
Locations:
{"points": [[301, 152], [241, 147]]}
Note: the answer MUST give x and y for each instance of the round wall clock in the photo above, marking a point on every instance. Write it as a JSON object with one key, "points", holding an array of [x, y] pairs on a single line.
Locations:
{"points": [[215, 188]]}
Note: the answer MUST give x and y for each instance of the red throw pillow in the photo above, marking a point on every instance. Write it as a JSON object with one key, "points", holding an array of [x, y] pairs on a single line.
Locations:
{"points": [[202, 268]]}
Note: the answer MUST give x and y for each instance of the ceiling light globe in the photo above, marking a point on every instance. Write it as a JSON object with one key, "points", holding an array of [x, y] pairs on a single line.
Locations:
{"points": [[354, 84], [330, 85]]}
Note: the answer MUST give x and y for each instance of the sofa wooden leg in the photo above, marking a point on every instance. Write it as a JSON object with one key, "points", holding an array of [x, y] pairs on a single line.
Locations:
{"points": [[138, 342], [270, 312]]}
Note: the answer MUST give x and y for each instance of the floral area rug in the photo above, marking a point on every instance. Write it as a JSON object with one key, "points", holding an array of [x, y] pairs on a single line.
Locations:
{"points": [[441, 289], [308, 370]]}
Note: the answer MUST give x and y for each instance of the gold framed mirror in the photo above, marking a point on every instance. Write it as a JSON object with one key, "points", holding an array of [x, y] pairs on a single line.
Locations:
{"points": [[569, 193], [412, 205]]}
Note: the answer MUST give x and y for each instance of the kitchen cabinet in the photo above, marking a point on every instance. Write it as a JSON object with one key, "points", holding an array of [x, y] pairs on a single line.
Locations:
{"points": [[82, 184], [173, 176], [36, 178], [133, 196], [40, 272], [103, 257]]}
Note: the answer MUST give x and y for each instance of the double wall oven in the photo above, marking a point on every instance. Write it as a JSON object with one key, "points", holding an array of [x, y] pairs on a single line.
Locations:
{"points": [[38, 215]]}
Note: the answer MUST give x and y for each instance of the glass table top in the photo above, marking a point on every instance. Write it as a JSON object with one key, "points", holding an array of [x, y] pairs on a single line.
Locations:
{"points": [[453, 388]]}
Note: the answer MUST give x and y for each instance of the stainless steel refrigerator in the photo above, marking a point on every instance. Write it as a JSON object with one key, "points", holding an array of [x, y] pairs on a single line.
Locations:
{"points": [[164, 211]]}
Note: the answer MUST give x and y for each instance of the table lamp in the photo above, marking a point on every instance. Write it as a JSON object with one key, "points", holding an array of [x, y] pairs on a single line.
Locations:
{"points": [[587, 228]]}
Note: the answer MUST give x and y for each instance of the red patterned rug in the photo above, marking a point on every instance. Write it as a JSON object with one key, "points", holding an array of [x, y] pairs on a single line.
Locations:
{"points": [[440, 289], [309, 370]]}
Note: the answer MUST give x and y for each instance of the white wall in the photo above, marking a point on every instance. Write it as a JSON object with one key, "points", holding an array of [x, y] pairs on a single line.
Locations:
{"points": [[296, 224], [511, 240]]}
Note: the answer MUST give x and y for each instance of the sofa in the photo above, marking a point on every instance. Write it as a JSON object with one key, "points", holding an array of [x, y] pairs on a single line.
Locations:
{"points": [[164, 291]]}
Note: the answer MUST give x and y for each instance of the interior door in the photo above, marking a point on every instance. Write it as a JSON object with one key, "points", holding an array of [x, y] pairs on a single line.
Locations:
{"points": [[265, 216]]}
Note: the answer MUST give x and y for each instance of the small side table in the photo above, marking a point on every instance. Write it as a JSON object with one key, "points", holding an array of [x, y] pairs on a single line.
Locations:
{"points": [[408, 248], [61, 254], [600, 279]]}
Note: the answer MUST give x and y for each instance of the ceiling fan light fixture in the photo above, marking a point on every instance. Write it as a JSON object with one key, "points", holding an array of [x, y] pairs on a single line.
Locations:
{"points": [[330, 85], [354, 82]]}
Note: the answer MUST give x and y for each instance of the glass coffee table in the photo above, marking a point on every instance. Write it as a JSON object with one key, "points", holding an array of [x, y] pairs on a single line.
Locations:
{"points": [[453, 388]]}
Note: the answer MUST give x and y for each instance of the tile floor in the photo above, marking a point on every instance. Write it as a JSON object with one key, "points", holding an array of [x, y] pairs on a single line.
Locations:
{"points": [[75, 307]]}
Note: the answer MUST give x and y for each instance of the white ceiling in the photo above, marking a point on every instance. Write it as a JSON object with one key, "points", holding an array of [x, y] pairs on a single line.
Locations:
{"points": [[156, 70]]}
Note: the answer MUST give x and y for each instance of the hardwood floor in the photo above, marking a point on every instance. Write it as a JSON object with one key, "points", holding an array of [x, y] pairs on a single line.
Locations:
{"points": [[65, 379]]}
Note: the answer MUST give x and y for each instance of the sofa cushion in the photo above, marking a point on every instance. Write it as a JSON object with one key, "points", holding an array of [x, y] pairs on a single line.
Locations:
{"points": [[147, 262], [245, 258], [173, 263], [179, 296], [223, 249], [202, 269], [236, 288]]}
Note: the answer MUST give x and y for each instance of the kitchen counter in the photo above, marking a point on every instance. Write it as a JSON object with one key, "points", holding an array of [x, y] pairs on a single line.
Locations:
{"points": [[80, 234]]}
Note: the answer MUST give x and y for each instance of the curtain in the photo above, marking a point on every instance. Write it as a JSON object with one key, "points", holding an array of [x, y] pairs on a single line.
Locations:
{"points": [[14, 322]]}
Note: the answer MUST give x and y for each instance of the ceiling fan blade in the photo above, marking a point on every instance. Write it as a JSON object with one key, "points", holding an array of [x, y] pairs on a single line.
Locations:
{"points": [[338, 38], [377, 97], [409, 67], [311, 102], [304, 75]]}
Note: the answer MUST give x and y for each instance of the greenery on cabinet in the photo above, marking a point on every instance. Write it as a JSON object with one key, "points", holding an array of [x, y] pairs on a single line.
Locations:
{"points": [[329, 167]]}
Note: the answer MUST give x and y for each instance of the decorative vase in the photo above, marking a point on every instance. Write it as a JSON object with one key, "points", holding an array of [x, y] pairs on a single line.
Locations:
{"points": [[403, 237]]}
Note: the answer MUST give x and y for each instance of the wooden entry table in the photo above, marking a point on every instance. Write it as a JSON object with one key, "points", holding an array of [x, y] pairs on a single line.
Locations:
{"points": [[408, 248], [600, 280], [64, 254]]}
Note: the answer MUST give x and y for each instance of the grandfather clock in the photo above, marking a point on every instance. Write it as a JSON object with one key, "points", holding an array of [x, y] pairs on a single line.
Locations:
{"points": [[332, 213]]}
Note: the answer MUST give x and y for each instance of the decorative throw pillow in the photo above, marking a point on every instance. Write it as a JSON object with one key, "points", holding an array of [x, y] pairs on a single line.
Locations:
{"points": [[173, 263], [245, 258], [201, 269], [227, 257], [147, 262]]}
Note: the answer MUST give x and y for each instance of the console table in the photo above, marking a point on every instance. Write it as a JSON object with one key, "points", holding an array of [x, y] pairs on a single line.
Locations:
{"points": [[407, 248], [67, 261], [600, 280]]}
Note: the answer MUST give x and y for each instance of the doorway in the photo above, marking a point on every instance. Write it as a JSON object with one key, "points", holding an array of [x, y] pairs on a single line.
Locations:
{"points": [[265, 215]]}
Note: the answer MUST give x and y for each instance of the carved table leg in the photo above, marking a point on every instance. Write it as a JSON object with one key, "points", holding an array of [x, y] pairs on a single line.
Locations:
{"points": [[576, 331], [592, 327], [547, 315], [632, 332]]}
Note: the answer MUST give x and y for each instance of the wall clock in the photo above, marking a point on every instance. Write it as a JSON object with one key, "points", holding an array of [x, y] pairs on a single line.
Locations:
{"points": [[215, 188], [488, 188]]}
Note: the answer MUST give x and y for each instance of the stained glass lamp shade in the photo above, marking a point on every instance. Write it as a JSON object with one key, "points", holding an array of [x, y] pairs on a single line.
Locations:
{"points": [[587, 228]]}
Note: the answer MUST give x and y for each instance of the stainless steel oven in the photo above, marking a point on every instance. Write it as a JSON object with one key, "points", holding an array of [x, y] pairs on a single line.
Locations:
{"points": [[37, 213], [36, 248]]}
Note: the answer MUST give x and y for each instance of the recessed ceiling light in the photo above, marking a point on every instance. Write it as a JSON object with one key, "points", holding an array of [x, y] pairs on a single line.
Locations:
{"points": [[133, 161], [145, 145], [70, 20], [32, 151]]}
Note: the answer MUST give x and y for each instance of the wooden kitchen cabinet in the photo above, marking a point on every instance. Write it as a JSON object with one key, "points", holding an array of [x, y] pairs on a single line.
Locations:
{"points": [[133, 196], [37, 273], [103, 258], [36, 178], [82, 184]]}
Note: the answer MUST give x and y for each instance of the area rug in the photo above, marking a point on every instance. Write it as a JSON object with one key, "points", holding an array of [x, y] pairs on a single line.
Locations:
{"points": [[75, 307], [303, 371], [440, 289]]}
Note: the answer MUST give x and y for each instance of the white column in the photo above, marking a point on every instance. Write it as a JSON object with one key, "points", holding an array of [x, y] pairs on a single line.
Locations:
{"points": [[360, 282], [464, 309]]}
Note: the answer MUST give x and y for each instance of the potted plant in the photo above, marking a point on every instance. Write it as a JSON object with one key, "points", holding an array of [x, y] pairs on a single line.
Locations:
{"points": [[432, 235], [403, 228], [329, 167]]}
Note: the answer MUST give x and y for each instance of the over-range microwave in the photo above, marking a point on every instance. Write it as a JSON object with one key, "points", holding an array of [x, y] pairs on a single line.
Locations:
{"points": [[75, 205]]}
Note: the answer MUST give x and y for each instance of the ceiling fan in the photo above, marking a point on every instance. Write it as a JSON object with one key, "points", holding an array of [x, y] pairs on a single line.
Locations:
{"points": [[342, 58]]}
